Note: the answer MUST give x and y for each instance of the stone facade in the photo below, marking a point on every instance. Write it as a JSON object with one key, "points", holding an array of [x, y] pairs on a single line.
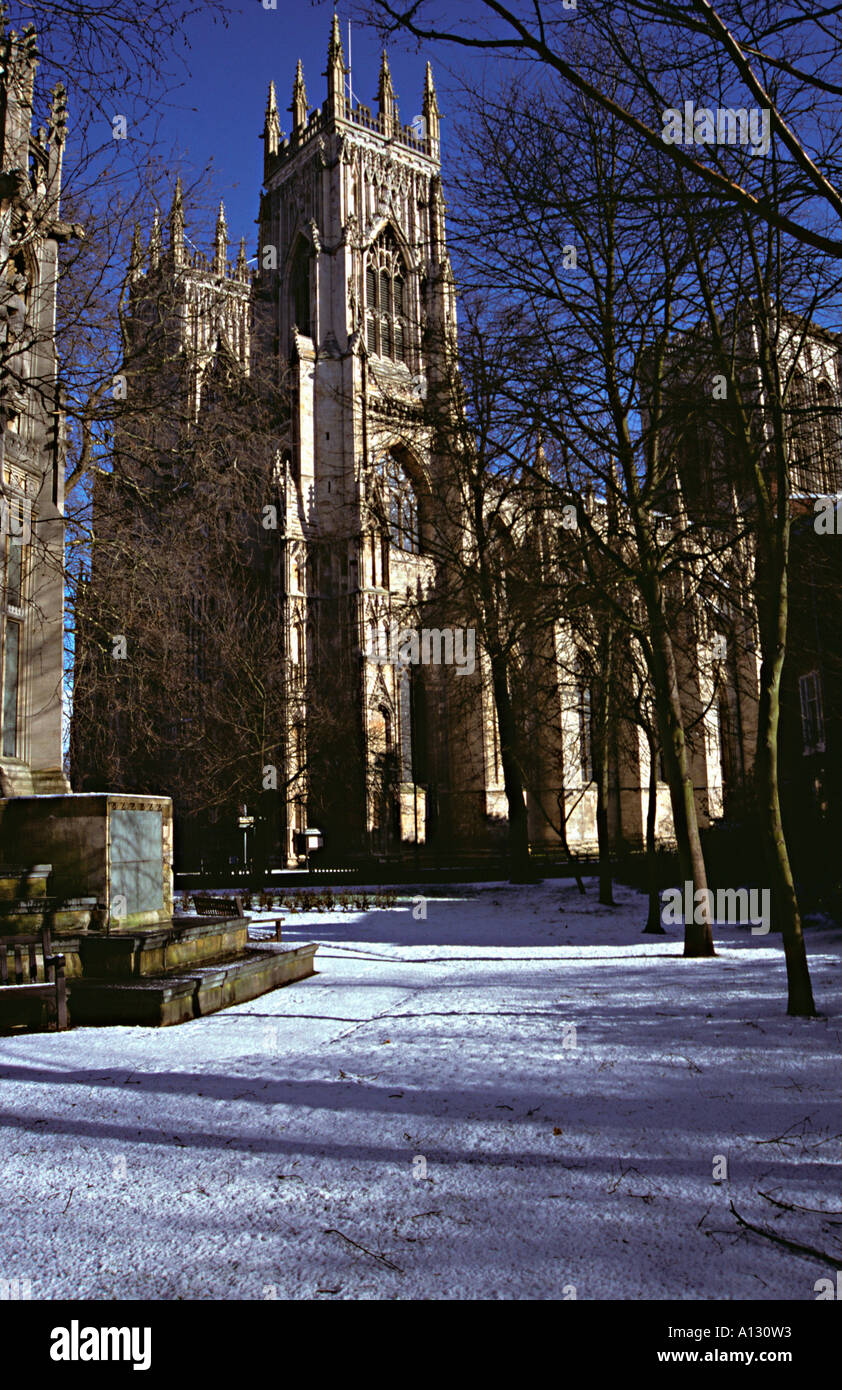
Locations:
{"points": [[355, 292], [352, 313], [31, 422]]}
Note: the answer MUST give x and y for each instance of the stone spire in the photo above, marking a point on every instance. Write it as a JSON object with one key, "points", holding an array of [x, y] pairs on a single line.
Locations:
{"points": [[271, 124], [176, 223], [155, 242], [299, 101], [19, 62], [335, 70], [386, 98], [438, 248], [432, 115], [241, 270], [56, 135], [136, 254], [220, 243], [28, 63]]}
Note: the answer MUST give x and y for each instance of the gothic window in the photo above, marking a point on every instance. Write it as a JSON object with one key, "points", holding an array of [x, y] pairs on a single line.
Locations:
{"points": [[405, 724], [384, 559], [12, 561], [584, 712], [418, 701], [804, 437], [400, 505], [386, 300], [830, 435], [299, 287], [812, 712]]}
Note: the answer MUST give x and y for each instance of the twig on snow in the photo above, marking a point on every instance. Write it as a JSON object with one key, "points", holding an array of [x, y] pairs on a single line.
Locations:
{"points": [[796, 1206], [332, 1231], [795, 1245]]}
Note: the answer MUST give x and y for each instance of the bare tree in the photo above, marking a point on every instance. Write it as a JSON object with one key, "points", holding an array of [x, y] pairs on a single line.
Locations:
{"points": [[763, 52], [571, 223]]}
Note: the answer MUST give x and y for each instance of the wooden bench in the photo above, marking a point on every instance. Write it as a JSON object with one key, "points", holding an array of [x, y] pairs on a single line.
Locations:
{"points": [[53, 987], [215, 905]]}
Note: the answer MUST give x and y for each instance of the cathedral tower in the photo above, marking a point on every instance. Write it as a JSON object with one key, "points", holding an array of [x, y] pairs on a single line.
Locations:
{"points": [[200, 303], [357, 305]]}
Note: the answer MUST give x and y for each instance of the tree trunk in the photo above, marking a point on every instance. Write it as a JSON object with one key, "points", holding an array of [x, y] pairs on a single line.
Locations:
{"points": [[606, 895], [653, 921], [698, 937], [785, 910]]}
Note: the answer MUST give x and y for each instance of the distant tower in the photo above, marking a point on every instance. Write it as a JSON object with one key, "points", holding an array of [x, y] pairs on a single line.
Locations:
{"points": [[31, 430], [357, 301], [204, 304]]}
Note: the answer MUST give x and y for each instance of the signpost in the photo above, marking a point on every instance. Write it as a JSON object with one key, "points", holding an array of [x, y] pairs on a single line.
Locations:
{"points": [[245, 822]]}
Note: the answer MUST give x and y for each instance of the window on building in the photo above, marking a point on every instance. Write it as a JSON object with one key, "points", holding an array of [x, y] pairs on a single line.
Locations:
{"points": [[299, 286], [830, 436], [386, 300], [584, 712], [12, 576], [805, 437], [419, 727], [812, 712], [400, 504], [11, 683], [382, 742]]}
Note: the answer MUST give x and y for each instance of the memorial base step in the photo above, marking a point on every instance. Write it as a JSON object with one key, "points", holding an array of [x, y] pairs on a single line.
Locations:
{"points": [[179, 995]]}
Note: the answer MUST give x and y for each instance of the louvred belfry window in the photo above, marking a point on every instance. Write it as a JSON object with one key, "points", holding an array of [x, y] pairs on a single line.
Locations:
{"points": [[386, 300]]}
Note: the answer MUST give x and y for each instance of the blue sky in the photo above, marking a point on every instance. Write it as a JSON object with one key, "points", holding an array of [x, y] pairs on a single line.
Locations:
{"points": [[217, 115]]}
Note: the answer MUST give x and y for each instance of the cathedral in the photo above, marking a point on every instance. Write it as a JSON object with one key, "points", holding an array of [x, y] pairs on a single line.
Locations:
{"points": [[389, 744], [355, 296], [352, 306]]}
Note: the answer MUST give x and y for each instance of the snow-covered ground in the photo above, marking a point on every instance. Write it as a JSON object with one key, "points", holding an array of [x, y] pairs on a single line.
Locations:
{"points": [[517, 1097]]}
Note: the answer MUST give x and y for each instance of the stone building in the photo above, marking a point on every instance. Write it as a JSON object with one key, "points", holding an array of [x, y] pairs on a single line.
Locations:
{"points": [[355, 292], [353, 308], [31, 424], [351, 316]]}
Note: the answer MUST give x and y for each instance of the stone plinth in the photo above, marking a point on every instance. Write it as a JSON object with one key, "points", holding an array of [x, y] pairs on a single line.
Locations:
{"points": [[156, 978], [151, 950], [113, 848]]}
